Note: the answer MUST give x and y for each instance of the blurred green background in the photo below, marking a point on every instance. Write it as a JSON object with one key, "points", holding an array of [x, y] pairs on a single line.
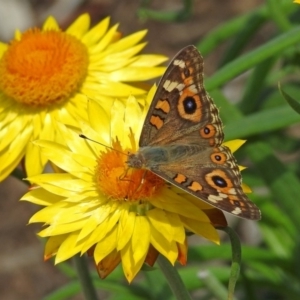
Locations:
{"points": [[248, 47]]}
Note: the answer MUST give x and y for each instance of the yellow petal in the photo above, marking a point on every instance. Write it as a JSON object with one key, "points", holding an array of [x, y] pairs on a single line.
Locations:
{"points": [[132, 110], [50, 24], [96, 33], [62, 229], [53, 244], [107, 61], [3, 48], [105, 40], [172, 202], [67, 160], [136, 73], [106, 246], [147, 60], [159, 219], [12, 156], [177, 227], [34, 163], [111, 217], [112, 89], [130, 268], [127, 42], [68, 248], [140, 239], [162, 245], [125, 228], [246, 188], [202, 229], [90, 226], [234, 144], [108, 264], [40, 196], [80, 26], [96, 113], [117, 124]]}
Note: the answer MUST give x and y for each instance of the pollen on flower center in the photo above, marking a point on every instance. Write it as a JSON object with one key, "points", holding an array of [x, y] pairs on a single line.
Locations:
{"points": [[43, 67], [117, 182]]}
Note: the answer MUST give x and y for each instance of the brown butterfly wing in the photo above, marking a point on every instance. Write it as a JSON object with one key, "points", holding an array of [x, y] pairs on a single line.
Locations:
{"points": [[181, 107], [184, 120], [218, 184]]}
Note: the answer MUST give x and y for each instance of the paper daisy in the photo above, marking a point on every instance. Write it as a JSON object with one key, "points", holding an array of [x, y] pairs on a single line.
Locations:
{"points": [[100, 206], [47, 75]]}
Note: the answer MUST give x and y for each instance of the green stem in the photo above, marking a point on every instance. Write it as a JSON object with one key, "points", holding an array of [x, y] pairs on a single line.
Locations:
{"points": [[229, 29], [255, 84], [242, 37], [236, 259], [84, 277], [173, 278], [167, 16], [278, 16], [243, 63], [213, 285]]}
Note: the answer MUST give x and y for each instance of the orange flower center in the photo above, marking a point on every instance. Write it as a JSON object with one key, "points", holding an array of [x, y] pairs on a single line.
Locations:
{"points": [[118, 182], [43, 68]]}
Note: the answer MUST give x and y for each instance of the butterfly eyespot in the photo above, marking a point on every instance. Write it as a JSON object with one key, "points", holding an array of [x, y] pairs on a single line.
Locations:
{"points": [[218, 158], [208, 131], [219, 181], [189, 105]]}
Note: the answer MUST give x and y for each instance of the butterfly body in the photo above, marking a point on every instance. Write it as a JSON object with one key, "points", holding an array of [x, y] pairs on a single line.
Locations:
{"points": [[181, 140]]}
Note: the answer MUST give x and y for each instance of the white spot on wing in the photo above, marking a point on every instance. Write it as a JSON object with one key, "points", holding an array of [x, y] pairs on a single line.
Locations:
{"points": [[223, 195], [193, 89], [171, 85], [236, 211], [214, 198], [179, 63], [232, 191]]}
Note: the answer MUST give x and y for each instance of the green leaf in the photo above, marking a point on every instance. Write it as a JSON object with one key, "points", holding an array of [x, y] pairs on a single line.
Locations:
{"points": [[65, 292], [284, 184], [228, 29], [247, 61], [294, 104], [261, 122]]}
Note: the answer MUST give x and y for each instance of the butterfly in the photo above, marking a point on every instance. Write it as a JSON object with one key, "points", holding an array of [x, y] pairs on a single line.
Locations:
{"points": [[181, 140]]}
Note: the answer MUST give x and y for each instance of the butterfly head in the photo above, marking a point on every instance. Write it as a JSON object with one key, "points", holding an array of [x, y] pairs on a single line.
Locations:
{"points": [[136, 161]]}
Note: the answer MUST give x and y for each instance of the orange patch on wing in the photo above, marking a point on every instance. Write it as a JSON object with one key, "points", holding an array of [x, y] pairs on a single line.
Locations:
{"points": [[156, 121], [195, 186], [180, 178], [187, 75], [212, 142], [164, 105]]}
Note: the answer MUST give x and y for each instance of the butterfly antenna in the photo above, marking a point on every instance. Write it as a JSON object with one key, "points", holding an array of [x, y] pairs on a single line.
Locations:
{"points": [[89, 139]]}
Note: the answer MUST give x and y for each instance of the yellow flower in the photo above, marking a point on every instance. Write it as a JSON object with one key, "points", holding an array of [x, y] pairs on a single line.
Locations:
{"points": [[47, 75], [100, 206], [297, 1]]}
